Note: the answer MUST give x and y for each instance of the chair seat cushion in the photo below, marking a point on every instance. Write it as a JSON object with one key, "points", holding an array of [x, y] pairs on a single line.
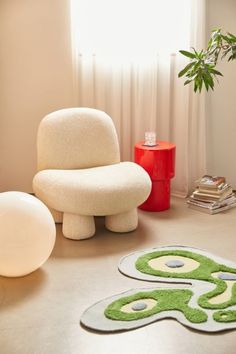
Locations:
{"points": [[104, 190]]}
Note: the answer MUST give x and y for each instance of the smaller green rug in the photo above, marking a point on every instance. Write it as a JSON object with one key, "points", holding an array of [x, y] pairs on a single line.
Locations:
{"points": [[208, 303]]}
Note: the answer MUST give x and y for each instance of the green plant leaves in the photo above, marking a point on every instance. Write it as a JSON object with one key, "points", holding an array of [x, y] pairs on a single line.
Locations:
{"points": [[187, 54], [201, 69], [186, 69], [215, 72]]}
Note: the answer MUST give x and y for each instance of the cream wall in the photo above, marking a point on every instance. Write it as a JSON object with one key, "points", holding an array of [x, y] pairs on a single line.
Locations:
{"points": [[221, 104], [35, 79]]}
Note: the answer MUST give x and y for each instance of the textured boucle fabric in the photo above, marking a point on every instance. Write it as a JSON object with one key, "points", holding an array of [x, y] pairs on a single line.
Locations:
{"points": [[80, 174], [75, 138], [105, 190], [123, 222], [77, 227]]}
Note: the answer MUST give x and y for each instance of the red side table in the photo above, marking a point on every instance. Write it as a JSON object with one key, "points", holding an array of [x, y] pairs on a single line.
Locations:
{"points": [[159, 162]]}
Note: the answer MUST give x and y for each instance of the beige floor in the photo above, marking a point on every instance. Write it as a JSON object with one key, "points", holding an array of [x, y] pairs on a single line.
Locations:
{"points": [[40, 313]]}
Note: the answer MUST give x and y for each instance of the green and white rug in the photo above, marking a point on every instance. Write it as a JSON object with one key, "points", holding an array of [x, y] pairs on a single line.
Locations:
{"points": [[207, 301]]}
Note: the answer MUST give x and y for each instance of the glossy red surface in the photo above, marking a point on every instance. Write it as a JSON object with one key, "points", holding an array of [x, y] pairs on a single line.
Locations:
{"points": [[159, 162]]}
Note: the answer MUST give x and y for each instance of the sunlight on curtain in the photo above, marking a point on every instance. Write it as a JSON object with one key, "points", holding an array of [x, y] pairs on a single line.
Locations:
{"points": [[129, 28], [126, 63]]}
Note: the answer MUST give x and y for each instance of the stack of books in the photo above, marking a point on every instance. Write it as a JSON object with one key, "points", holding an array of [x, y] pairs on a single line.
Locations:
{"points": [[212, 195]]}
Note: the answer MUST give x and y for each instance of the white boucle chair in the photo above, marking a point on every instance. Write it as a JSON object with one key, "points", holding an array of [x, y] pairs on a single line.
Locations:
{"points": [[80, 174]]}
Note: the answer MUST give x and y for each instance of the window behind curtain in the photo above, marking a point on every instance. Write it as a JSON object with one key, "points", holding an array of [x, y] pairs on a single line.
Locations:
{"points": [[130, 28]]}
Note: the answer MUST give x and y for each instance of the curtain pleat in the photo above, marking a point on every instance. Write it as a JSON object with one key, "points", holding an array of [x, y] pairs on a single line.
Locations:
{"points": [[147, 95]]}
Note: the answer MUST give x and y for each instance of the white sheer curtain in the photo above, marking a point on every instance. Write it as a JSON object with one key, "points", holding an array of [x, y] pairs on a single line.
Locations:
{"points": [[126, 63]]}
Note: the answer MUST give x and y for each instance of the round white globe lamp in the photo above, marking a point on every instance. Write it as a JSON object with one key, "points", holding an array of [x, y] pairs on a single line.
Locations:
{"points": [[27, 233]]}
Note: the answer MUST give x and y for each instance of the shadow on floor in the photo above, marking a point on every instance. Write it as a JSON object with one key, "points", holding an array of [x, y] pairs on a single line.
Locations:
{"points": [[17, 289], [103, 243]]}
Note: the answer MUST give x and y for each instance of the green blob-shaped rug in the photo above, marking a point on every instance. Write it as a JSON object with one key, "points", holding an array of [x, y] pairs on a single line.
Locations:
{"points": [[207, 302]]}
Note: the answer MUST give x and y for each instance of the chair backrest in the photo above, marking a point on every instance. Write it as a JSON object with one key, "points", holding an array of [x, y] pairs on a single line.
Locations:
{"points": [[75, 138]]}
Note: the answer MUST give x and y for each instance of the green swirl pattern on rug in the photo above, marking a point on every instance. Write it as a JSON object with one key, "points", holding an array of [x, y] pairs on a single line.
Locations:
{"points": [[225, 316], [203, 272], [173, 299], [205, 300], [166, 300]]}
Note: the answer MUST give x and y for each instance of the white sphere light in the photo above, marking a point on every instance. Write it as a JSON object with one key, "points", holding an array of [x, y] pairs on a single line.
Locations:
{"points": [[27, 233]]}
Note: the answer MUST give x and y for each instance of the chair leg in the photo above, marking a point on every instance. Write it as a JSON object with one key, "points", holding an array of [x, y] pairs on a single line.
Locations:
{"points": [[78, 227], [123, 222], [57, 215]]}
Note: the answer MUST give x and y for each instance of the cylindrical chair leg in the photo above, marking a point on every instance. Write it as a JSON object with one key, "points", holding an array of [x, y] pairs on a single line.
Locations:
{"points": [[123, 222], [78, 227], [57, 215]]}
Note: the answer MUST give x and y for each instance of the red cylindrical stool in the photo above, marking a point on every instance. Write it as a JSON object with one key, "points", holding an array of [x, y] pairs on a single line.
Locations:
{"points": [[159, 162]]}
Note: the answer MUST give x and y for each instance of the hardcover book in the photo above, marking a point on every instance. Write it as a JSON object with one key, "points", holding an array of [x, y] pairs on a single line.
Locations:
{"points": [[219, 190], [211, 210], [212, 197], [208, 181], [212, 204]]}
